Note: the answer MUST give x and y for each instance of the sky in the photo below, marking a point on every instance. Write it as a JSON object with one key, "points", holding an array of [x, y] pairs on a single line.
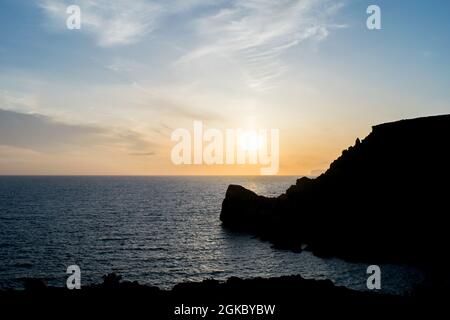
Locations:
{"points": [[105, 99]]}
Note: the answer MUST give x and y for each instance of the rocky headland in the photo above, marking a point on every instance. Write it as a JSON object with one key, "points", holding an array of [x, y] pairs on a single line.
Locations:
{"points": [[385, 199]]}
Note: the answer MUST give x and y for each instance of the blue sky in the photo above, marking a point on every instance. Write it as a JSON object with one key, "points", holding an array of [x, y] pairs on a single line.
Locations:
{"points": [[137, 70]]}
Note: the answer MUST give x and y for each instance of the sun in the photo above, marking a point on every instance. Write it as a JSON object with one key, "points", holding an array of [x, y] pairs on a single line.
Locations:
{"points": [[249, 141]]}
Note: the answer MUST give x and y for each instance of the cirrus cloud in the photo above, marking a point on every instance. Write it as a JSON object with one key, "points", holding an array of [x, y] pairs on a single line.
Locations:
{"points": [[113, 22], [255, 33]]}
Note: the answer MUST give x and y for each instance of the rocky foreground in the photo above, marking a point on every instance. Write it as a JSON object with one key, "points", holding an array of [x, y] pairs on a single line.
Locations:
{"points": [[280, 298], [385, 199]]}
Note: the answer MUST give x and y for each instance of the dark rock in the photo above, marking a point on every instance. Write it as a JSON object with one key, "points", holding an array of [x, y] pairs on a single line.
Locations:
{"points": [[384, 199], [242, 208], [293, 297], [111, 280], [33, 284]]}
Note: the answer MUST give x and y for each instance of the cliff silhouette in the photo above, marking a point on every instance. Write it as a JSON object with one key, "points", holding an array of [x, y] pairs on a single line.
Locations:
{"points": [[385, 199], [291, 296]]}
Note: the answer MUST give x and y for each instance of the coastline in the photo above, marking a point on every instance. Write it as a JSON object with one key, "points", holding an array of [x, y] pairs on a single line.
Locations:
{"points": [[287, 296]]}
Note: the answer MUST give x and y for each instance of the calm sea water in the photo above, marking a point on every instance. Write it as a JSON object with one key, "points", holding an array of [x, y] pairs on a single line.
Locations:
{"points": [[156, 230]]}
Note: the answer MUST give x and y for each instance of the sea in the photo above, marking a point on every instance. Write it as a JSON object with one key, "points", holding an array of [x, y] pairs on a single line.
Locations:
{"points": [[155, 230]]}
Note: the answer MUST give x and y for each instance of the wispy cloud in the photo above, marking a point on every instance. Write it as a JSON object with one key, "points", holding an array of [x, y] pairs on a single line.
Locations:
{"points": [[111, 22], [120, 22], [255, 33], [13, 100], [40, 133]]}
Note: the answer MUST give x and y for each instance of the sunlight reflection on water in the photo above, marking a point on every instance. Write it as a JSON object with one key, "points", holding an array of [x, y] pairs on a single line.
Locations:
{"points": [[156, 230]]}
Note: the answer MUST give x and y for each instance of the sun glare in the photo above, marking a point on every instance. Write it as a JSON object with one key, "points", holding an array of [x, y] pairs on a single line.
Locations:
{"points": [[249, 141]]}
